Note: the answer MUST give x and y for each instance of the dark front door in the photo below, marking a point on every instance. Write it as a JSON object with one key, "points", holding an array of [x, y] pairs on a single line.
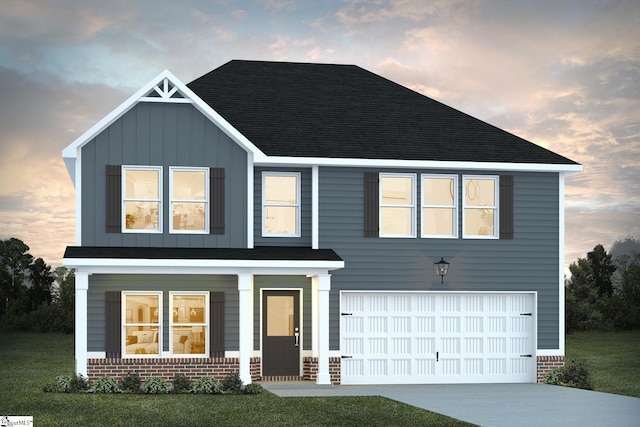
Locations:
{"points": [[280, 333]]}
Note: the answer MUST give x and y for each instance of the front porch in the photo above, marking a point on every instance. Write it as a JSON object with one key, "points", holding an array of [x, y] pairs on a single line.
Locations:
{"points": [[217, 367], [245, 354]]}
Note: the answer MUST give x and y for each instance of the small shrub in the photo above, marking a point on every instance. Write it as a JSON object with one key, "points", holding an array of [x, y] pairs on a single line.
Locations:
{"points": [[553, 377], [575, 374], [67, 384], [254, 388], [206, 385], [181, 383], [105, 385], [130, 383], [156, 385], [62, 384], [79, 383], [232, 384]]}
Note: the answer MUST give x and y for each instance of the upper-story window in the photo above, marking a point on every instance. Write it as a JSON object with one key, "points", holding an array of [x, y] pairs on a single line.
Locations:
{"points": [[439, 206], [189, 205], [397, 205], [480, 211], [280, 204], [142, 201]]}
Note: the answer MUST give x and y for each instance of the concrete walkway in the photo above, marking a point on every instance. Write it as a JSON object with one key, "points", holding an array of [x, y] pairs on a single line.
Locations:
{"points": [[492, 405]]}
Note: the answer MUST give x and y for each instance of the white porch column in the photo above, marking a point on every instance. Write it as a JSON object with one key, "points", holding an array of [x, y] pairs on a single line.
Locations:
{"points": [[82, 286], [245, 289], [314, 315], [324, 286]]}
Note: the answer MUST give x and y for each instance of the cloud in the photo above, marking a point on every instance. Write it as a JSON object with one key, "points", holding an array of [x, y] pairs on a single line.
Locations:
{"points": [[564, 75], [39, 118]]}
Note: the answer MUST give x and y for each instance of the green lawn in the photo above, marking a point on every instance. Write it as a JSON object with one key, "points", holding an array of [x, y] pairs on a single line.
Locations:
{"points": [[28, 361], [613, 359]]}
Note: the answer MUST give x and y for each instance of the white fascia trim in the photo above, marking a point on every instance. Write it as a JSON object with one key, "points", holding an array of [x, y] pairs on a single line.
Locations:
{"points": [[71, 152], [199, 266], [548, 352], [561, 244], [419, 164], [315, 214], [250, 190], [96, 354], [443, 292], [219, 121], [78, 199]]}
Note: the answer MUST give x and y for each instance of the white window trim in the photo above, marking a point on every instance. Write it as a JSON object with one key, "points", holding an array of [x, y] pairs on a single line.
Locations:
{"points": [[454, 207], [297, 205], [207, 324], [123, 324], [413, 204], [124, 199], [496, 213], [206, 201]]}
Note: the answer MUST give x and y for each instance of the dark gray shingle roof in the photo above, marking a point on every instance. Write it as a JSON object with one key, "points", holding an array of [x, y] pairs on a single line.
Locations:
{"points": [[344, 111], [263, 253]]}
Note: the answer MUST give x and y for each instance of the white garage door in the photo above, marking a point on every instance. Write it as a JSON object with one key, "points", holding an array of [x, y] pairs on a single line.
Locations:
{"points": [[429, 338]]}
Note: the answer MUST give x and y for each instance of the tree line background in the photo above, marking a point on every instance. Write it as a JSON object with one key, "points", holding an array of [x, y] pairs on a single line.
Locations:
{"points": [[32, 297], [603, 292]]}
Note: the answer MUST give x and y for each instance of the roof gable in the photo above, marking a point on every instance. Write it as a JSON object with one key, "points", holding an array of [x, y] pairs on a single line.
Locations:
{"points": [[343, 111], [163, 88]]}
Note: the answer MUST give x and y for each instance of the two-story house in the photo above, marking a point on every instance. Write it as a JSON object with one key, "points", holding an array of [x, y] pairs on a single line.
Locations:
{"points": [[285, 221]]}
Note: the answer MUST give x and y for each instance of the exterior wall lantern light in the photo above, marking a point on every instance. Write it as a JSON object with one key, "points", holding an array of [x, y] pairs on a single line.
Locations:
{"points": [[442, 268]]}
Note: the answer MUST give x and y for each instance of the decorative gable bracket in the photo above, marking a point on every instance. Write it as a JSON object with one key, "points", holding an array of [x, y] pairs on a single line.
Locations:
{"points": [[166, 91]]}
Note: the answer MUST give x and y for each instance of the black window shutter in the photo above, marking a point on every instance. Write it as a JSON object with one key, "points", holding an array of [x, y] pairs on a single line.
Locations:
{"points": [[506, 207], [371, 201], [216, 326], [114, 199], [113, 311], [217, 200]]}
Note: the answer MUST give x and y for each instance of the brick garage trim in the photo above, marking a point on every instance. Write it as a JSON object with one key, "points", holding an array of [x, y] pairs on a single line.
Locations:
{"points": [[310, 369], [167, 368], [547, 364], [219, 368]]}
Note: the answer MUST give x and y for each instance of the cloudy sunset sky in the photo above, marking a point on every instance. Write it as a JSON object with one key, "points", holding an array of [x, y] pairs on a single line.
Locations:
{"points": [[562, 74]]}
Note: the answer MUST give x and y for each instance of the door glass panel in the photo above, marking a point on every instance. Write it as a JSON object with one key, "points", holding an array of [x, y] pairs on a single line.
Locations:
{"points": [[280, 316]]}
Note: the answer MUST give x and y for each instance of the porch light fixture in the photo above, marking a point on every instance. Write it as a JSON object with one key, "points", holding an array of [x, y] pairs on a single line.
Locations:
{"points": [[442, 268]]}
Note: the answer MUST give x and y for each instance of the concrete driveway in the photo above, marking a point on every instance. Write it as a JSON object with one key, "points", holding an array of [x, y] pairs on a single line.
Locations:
{"points": [[493, 404]]}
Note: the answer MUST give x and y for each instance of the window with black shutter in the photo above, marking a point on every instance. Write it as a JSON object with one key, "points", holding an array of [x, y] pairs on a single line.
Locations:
{"points": [[506, 207], [371, 204], [216, 188], [216, 327]]}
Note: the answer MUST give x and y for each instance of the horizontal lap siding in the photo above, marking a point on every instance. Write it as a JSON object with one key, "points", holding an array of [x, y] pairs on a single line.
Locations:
{"points": [[163, 135], [100, 283], [529, 262]]}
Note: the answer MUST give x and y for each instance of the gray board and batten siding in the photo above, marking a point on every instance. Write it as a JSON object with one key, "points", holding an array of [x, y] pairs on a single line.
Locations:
{"points": [[157, 134], [528, 262]]}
